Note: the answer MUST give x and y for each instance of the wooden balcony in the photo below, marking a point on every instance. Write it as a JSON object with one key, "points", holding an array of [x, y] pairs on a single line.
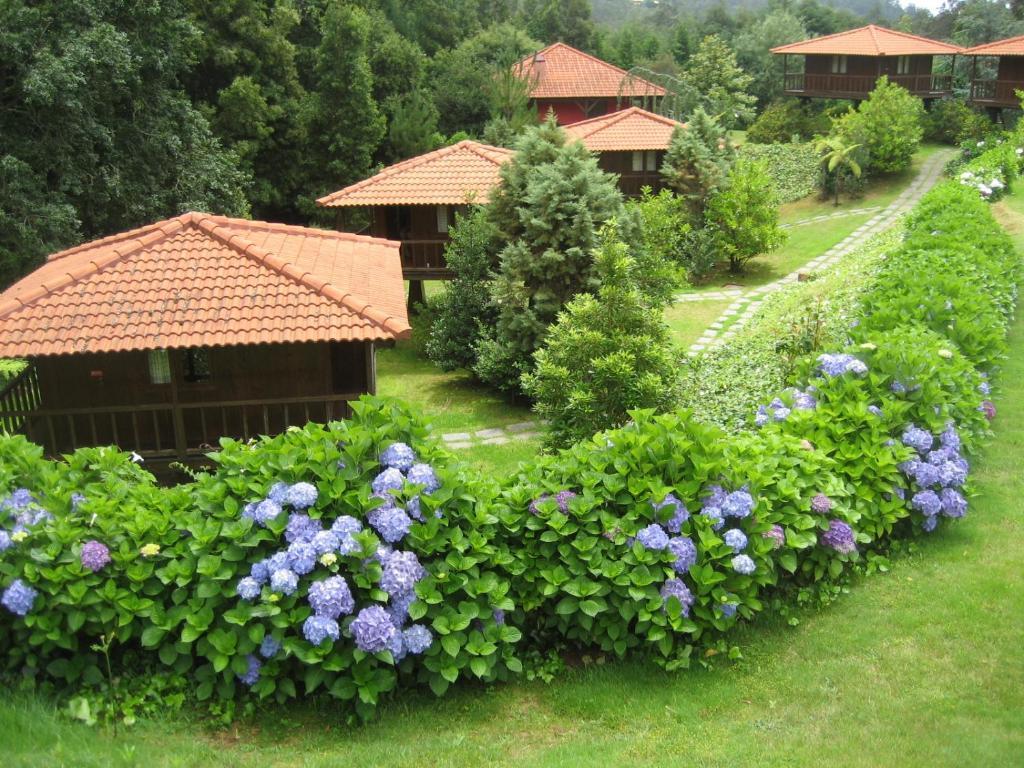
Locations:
{"points": [[158, 430], [631, 184], [424, 260], [996, 93], [859, 86]]}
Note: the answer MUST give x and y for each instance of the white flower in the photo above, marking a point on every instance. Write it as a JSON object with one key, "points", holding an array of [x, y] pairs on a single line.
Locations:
{"points": [[136, 458], [981, 143], [868, 345], [996, 184], [945, 354]]}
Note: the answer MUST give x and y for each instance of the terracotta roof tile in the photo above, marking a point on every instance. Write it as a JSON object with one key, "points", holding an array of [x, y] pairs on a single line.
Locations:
{"points": [[563, 72], [625, 130], [204, 280], [1011, 46], [871, 40], [464, 172]]}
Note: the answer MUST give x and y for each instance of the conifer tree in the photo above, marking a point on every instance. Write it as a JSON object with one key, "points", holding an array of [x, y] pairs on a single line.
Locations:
{"points": [[698, 160]]}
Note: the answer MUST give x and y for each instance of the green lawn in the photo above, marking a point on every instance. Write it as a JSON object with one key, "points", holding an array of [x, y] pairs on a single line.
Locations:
{"points": [[687, 320]]}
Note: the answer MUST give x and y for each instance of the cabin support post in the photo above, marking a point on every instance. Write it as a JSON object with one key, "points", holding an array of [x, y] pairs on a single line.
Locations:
{"points": [[370, 358], [177, 415], [974, 72]]}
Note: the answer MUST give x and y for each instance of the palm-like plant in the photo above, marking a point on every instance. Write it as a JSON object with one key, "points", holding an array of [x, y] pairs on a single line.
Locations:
{"points": [[837, 156]]}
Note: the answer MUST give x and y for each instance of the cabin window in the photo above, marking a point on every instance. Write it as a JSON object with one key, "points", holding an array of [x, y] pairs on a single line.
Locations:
{"points": [[197, 365], [645, 161], [652, 160], [159, 367], [839, 65], [638, 161], [442, 219], [903, 65]]}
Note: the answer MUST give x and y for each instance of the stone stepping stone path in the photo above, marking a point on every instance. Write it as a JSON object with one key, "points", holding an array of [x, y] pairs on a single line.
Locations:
{"points": [[830, 216], [524, 430], [746, 304]]}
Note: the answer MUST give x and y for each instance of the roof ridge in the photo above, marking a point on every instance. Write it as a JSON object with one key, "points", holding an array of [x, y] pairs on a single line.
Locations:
{"points": [[872, 30], [874, 38], [602, 122], [307, 279], [559, 43], [992, 43], [295, 229], [135, 240]]}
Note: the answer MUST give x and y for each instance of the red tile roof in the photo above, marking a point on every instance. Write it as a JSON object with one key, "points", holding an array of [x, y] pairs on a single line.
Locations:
{"points": [[562, 72], [464, 172], [1011, 46], [870, 41], [625, 130], [200, 280]]}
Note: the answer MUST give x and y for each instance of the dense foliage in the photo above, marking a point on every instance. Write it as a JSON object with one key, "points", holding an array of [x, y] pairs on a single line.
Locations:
{"points": [[887, 125], [698, 160], [792, 168], [743, 217], [786, 120]]}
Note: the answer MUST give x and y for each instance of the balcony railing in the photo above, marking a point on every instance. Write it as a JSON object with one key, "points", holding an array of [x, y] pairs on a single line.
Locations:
{"points": [[21, 395], [858, 85], [1002, 92], [631, 184], [165, 430], [424, 258]]}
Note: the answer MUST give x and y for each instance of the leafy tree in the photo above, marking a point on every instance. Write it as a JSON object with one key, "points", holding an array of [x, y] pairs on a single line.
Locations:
{"points": [[713, 71], [782, 120], [412, 129], [551, 203], [567, 21], [753, 51], [661, 253], [839, 158], [512, 110], [743, 218], [888, 124], [464, 308], [698, 160], [605, 356]]}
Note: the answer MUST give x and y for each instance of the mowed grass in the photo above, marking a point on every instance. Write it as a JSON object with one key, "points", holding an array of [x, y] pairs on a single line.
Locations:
{"points": [[687, 320]]}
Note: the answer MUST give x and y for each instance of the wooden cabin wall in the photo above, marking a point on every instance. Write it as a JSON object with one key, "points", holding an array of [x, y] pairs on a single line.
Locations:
{"points": [[1011, 68]]}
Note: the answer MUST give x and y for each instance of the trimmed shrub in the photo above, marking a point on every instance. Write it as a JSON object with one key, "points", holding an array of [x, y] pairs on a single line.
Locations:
{"points": [[786, 120], [887, 124], [794, 168]]}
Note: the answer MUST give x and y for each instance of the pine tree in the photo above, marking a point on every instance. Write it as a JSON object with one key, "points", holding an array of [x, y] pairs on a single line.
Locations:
{"points": [[697, 161], [713, 71]]}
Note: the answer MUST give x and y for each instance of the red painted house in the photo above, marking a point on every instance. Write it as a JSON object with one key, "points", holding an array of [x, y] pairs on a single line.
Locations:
{"points": [[631, 143], [997, 73], [847, 65], [578, 86]]}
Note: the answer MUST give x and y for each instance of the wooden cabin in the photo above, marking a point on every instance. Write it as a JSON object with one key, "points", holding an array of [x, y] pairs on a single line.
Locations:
{"points": [[997, 73], [415, 202], [577, 86], [631, 143], [847, 65], [166, 338]]}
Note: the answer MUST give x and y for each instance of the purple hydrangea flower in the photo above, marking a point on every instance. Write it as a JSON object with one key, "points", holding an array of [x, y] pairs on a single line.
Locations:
{"points": [[316, 629], [331, 597], [821, 503], [397, 647], [248, 588], [252, 674], [738, 504], [952, 474], [401, 572], [346, 524], [417, 639], [926, 474], [269, 647], [18, 598], [988, 408], [728, 609], [284, 581], [277, 493], [897, 388], [95, 555], [562, 498], [398, 456], [373, 630], [77, 500], [390, 522], [685, 552], [398, 607], [918, 439], [839, 537], [5, 540], [714, 514], [653, 537], [279, 561], [679, 512], [927, 503], [950, 438], [743, 564], [499, 616], [301, 527], [874, 409], [423, 474], [929, 524], [677, 589], [301, 496], [266, 510], [325, 541], [777, 535], [736, 539], [302, 556], [388, 480], [953, 503]]}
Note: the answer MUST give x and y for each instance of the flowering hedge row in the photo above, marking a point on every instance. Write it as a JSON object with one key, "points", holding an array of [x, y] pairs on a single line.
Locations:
{"points": [[359, 558], [991, 166]]}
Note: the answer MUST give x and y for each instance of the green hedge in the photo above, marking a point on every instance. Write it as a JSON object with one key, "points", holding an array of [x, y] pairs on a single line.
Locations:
{"points": [[795, 168], [656, 538]]}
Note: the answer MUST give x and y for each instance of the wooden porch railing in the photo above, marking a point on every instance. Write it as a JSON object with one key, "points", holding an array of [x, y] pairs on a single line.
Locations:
{"points": [[165, 430], [1003, 92], [857, 85], [423, 255], [630, 184], [21, 395]]}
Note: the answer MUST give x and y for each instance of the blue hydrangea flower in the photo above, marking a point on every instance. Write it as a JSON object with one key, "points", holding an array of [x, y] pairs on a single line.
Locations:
{"points": [[388, 480], [714, 514], [373, 630], [918, 439], [5, 540], [875, 410], [804, 401], [926, 474], [953, 503], [685, 552], [952, 474], [950, 438], [728, 610], [412, 508], [279, 561], [252, 674], [347, 545], [398, 456], [398, 607], [397, 647], [331, 597], [736, 539], [929, 524], [839, 537], [897, 388], [390, 522], [423, 474], [346, 524], [835, 365], [927, 503], [303, 557], [781, 414], [761, 417], [653, 537], [301, 496], [679, 512], [677, 589], [401, 572], [249, 510], [499, 616], [857, 367], [417, 639], [743, 564], [325, 541], [248, 588], [277, 493], [284, 581], [269, 647], [985, 388], [738, 504], [18, 598], [266, 510], [316, 629], [260, 572], [301, 527], [77, 499]]}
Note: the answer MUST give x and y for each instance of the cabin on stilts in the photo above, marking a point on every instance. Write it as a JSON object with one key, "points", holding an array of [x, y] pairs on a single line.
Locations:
{"points": [[997, 73]]}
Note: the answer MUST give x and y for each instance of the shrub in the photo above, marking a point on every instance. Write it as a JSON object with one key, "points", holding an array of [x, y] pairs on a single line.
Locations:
{"points": [[744, 216], [951, 121], [663, 226], [992, 172], [786, 121], [793, 168], [697, 161], [887, 124]]}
